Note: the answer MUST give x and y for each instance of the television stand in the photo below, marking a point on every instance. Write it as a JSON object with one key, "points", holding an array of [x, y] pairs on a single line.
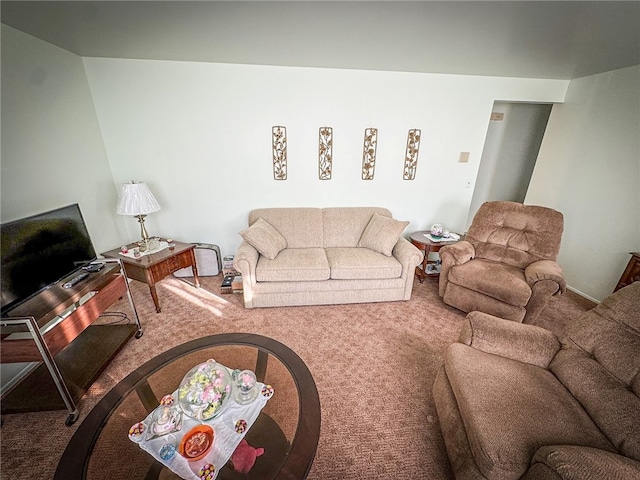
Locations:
{"points": [[55, 327]]}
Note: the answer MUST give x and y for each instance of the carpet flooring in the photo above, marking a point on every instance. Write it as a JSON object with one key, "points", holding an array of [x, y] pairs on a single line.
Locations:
{"points": [[373, 364]]}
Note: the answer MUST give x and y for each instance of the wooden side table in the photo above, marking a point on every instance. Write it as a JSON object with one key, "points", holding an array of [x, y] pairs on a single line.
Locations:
{"points": [[150, 269], [427, 246], [631, 273]]}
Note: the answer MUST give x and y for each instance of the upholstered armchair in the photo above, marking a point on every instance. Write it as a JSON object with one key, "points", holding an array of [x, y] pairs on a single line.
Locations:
{"points": [[506, 265], [515, 402]]}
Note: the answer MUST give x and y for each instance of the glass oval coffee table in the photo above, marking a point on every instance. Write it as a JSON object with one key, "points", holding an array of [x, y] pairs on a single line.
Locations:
{"points": [[288, 427]]}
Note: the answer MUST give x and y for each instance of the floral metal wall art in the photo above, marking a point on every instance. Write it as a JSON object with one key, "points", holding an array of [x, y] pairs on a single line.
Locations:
{"points": [[369, 153], [411, 155], [279, 146], [325, 153]]}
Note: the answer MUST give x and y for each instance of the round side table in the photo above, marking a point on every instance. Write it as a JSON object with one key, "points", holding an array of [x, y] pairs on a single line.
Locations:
{"points": [[420, 240]]}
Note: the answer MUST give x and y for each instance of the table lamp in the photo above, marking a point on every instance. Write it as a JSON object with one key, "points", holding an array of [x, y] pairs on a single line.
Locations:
{"points": [[137, 200]]}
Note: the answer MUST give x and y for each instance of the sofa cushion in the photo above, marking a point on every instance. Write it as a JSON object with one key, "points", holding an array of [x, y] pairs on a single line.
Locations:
{"points": [[294, 264], [382, 234], [264, 238], [506, 426], [494, 279], [301, 227], [361, 263], [343, 226]]}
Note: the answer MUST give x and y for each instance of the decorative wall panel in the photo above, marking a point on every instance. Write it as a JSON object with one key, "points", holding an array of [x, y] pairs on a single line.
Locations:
{"points": [[411, 154], [369, 153], [279, 146], [325, 153]]}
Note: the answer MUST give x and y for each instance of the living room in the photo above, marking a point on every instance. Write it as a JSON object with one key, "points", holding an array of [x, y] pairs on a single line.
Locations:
{"points": [[193, 129], [76, 126]]}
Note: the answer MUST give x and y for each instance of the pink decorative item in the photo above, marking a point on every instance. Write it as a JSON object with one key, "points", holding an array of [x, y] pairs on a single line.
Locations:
{"points": [[437, 230], [245, 456]]}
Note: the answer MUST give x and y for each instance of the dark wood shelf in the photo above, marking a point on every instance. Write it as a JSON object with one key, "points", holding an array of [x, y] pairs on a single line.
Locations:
{"points": [[80, 362], [631, 273]]}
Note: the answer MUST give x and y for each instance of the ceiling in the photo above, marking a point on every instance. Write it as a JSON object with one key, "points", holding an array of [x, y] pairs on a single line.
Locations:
{"points": [[543, 39]]}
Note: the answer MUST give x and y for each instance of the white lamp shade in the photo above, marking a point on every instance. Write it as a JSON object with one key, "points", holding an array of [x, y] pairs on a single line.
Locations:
{"points": [[136, 199]]}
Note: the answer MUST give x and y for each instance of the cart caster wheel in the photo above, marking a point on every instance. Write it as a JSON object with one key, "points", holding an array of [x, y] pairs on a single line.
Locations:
{"points": [[71, 419], [138, 334]]}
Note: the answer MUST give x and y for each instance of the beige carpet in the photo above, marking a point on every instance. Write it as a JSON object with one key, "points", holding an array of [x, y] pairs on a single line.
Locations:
{"points": [[374, 365]]}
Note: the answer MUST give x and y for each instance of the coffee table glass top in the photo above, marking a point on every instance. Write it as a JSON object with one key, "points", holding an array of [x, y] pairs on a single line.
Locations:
{"points": [[288, 427]]}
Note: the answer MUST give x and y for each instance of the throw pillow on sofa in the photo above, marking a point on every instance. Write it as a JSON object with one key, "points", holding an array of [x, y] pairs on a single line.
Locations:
{"points": [[264, 238], [382, 233]]}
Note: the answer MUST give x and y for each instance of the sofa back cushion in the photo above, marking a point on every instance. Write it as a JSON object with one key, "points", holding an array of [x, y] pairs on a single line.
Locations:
{"points": [[516, 234], [600, 365], [343, 226], [301, 227]]}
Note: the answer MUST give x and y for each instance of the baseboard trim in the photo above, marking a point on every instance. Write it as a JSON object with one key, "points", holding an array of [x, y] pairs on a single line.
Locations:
{"points": [[582, 294]]}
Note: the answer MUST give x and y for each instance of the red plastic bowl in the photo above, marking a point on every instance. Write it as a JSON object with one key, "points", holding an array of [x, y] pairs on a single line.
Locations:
{"points": [[196, 443]]}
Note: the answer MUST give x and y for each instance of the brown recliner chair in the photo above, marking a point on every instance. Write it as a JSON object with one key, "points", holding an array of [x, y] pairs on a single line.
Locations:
{"points": [[514, 402], [506, 265]]}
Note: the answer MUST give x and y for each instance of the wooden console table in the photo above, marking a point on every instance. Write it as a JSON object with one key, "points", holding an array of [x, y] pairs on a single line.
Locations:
{"points": [[54, 319], [152, 268], [631, 273]]}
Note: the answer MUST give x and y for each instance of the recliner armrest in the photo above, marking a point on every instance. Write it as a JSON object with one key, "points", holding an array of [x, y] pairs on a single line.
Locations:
{"points": [[457, 253], [545, 270], [572, 461], [517, 341], [452, 255]]}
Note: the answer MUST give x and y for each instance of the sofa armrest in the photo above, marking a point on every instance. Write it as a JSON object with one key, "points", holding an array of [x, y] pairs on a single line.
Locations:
{"points": [[408, 255], [517, 341], [245, 262], [571, 461], [545, 270]]}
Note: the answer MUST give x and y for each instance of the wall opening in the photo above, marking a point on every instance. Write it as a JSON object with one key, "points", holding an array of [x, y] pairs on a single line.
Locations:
{"points": [[510, 151]]}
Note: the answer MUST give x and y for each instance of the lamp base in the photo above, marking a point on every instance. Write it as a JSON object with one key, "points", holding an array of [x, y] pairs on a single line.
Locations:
{"points": [[143, 230]]}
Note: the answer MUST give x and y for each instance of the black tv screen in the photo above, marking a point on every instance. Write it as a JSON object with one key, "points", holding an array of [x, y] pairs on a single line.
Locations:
{"points": [[41, 250]]}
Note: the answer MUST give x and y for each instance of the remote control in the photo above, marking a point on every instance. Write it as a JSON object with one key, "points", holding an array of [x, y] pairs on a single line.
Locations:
{"points": [[93, 267], [76, 279]]}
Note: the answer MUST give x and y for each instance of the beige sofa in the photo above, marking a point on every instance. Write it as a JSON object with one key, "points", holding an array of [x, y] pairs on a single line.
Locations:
{"points": [[314, 256], [515, 402]]}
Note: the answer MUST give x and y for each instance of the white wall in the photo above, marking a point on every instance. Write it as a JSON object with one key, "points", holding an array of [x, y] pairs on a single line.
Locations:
{"points": [[52, 150], [589, 169], [200, 136]]}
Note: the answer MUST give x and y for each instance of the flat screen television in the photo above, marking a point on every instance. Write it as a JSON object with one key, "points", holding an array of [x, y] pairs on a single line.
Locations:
{"points": [[41, 250]]}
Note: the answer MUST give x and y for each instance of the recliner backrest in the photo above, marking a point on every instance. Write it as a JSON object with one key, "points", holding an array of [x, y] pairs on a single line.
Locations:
{"points": [[599, 363], [516, 234]]}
